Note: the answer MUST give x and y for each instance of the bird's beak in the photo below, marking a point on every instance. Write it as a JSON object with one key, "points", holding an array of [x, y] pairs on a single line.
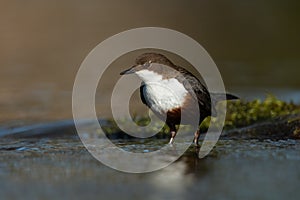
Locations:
{"points": [[128, 71]]}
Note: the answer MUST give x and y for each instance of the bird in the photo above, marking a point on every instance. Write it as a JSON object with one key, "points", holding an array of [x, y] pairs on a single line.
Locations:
{"points": [[170, 90]]}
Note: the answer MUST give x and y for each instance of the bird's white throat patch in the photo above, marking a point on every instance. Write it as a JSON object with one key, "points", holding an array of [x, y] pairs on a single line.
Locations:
{"points": [[162, 94], [149, 76]]}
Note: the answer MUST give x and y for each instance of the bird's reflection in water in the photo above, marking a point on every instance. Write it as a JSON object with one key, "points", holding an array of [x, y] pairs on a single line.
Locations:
{"points": [[178, 178]]}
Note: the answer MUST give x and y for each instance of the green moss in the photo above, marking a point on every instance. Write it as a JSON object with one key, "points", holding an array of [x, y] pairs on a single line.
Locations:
{"points": [[239, 113]]}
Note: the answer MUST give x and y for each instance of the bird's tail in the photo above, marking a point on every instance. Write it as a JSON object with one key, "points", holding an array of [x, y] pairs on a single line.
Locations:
{"points": [[222, 97], [217, 97]]}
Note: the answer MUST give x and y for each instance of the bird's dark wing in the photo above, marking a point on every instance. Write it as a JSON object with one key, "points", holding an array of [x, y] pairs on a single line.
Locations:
{"points": [[142, 93], [193, 84]]}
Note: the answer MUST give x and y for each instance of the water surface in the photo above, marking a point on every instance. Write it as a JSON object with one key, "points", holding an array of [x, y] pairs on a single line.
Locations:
{"points": [[60, 168]]}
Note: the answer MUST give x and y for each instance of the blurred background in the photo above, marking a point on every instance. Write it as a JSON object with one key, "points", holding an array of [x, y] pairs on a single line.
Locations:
{"points": [[255, 44]]}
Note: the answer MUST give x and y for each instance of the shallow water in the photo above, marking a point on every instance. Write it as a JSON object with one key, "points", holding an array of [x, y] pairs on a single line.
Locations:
{"points": [[60, 168]]}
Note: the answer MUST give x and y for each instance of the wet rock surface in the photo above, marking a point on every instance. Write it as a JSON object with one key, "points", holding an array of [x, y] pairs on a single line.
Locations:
{"points": [[50, 162], [279, 128], [283, 127], [62, 168]]}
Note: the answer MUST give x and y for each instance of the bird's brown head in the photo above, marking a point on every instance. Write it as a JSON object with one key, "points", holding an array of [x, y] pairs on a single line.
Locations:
{"points": [[146, 61]]}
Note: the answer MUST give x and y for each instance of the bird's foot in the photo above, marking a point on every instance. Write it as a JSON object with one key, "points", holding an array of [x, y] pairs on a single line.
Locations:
{"points": [[196, 143]]}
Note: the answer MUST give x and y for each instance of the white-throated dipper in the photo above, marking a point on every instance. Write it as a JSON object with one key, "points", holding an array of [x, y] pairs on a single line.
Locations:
{"points": [[170, 90]]}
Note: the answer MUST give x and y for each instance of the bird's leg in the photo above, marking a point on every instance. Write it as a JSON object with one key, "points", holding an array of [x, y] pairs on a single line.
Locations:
{"points": [[196, 138], [173, 133]]}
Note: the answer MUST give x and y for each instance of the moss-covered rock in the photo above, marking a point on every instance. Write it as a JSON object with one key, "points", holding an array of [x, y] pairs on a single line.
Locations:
{"points": [[241, 114], [283, 127]]}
